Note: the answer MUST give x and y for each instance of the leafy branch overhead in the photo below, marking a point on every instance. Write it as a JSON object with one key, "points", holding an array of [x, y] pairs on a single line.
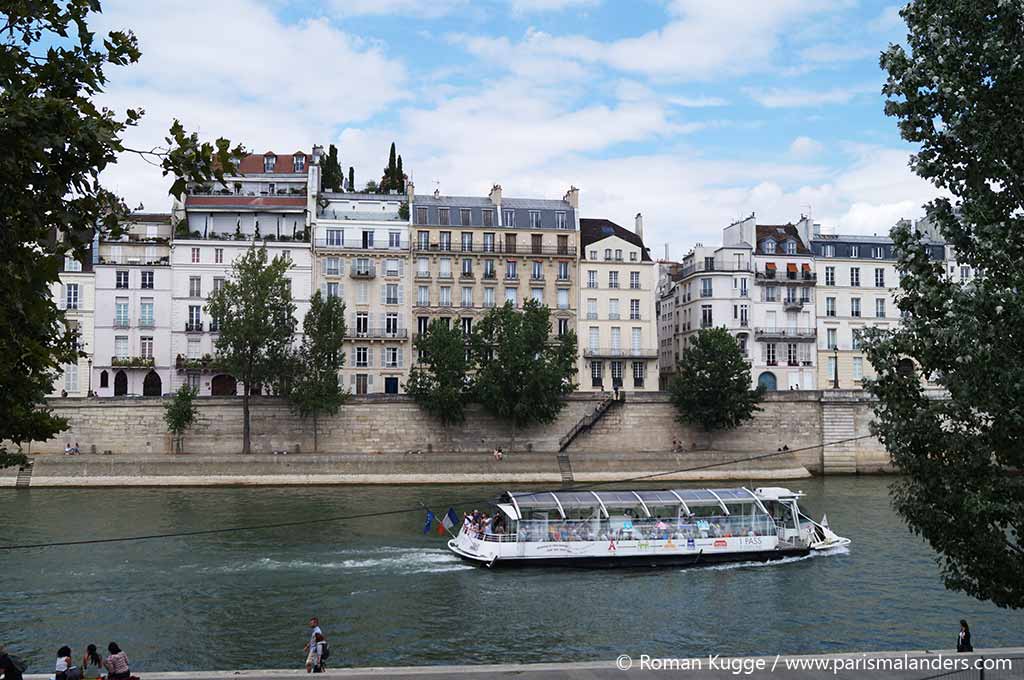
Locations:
{"points": [[57, 142], [957, 91]]}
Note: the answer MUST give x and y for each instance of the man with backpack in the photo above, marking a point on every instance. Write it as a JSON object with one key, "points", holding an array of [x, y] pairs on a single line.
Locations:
{"points": [[317, 650], [11, 668]]}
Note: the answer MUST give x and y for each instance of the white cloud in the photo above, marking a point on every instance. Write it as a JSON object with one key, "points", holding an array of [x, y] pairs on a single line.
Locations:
{"points": [[779, 97], [833, 53], [697, 102], [889, 19], [805, 147], [264, 83]]}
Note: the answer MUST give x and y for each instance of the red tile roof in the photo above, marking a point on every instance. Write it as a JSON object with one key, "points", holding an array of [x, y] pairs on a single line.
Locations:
{"points": [[253, 163], [245, 202]]}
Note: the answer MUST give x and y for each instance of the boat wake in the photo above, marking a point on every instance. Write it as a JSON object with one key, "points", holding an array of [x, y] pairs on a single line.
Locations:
{"points": [[729, 566], [387, 559]]}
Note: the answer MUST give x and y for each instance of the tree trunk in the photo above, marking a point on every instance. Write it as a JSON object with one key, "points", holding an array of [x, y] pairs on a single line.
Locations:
{"points": [[245, 420], [316, 442]]}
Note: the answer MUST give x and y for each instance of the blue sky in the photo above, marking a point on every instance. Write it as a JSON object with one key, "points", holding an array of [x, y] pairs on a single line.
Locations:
{"points": [[694, 113]]}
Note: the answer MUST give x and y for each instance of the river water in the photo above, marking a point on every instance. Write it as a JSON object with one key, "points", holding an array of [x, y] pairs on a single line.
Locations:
{"points": [[388, 595]]}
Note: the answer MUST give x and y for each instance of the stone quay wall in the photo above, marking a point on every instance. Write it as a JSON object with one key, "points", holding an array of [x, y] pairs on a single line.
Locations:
{"points": [[641, 423]]}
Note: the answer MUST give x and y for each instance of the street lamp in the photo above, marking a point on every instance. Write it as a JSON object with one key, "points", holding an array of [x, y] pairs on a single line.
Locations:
{"points": [[89, 393], [835, 367]]}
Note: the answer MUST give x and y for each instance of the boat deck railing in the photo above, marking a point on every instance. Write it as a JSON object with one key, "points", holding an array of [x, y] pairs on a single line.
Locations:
{"points": [[570, 530]]}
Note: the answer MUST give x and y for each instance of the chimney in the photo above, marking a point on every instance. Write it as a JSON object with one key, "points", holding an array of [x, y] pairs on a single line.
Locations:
{"points": [[437, 193], [572, 197], [495, 195], [638, 221], [318, 152], [410, 191], [666, 251]]}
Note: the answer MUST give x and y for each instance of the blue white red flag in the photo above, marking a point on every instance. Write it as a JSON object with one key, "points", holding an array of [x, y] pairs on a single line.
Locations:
{"points": [[430, 522], [449, 520]]}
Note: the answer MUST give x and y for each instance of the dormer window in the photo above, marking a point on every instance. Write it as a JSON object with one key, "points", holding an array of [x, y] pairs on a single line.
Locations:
{"points": [[768, 247], [269, 161], [299, 162], [791, 247]]}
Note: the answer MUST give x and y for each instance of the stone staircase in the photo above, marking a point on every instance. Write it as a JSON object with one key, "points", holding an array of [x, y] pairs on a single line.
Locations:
{"points": [[838, 424], [24, 476], [587, 421], [565, 468]]}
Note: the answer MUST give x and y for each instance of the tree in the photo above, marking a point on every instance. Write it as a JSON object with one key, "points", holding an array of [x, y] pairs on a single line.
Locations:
{"points": [[257, 324], [331, 176], [180, 413], [351, 178], [314, 388], [522, 373], [371, 187], [711, 387], [438, 382], [56, 142], [957, 93]]}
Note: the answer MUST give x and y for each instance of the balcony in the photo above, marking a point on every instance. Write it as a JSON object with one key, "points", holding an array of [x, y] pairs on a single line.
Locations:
{"points": [[333, 244], [769, 277], [147, 323], [793, 305], [422, 276], [132, 362], [445, 275], [206, 363], [724, 267], [490, 276], [539, 278], [120, 322], [467, 304], [790, 334], [194, 327], [512, 277], [613, 316], [496, 249], [134, 259], [467, 276], [620, 352], [377, 334], [364, 271]]}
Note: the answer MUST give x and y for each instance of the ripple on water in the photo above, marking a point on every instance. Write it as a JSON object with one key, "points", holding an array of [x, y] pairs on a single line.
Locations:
{"points": [[386, 560]]}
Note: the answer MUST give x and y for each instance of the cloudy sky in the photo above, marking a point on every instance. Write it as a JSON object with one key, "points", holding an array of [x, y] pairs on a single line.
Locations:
{"points": [[694, 113]]}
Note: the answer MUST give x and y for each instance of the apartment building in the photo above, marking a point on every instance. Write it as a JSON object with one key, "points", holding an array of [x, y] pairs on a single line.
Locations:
{"points": [[133, 305], [361, 253], [471, 254], [710, 288], [269, 201], [75, 294], [617, 324], [783, 355], [857, 283]]}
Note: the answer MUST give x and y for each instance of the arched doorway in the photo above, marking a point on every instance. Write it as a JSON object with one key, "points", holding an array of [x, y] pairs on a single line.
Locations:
{"points": [[905, 367], [120, 384], [223, 386], [152, 386], [768, 381], [104, 379]]}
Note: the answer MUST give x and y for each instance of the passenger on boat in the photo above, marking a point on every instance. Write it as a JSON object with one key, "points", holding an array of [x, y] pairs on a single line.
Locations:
{"points": [[117, 663]]}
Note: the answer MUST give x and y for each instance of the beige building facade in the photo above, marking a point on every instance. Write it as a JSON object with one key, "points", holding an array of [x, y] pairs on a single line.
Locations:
{"points": [[471, 254], [618, 336]]}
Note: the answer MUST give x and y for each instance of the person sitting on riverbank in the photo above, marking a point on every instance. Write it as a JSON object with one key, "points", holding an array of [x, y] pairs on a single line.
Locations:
{"points": [[63, 669], [498, 454], [10, 668], [92, 664], [117, 663]]}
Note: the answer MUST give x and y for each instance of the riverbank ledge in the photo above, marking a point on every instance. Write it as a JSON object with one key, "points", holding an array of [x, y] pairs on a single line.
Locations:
{"points": [[888, 665]]}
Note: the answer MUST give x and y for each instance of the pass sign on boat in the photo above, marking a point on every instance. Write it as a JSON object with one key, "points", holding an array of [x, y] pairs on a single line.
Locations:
{"points": [[682, 527]]}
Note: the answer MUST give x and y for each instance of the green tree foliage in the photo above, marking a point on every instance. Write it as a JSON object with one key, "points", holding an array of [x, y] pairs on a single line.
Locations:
{"points": [[257, 324], [332, 178], [314, 389], [438, 381], [56, 141], [371, 188], [180, 413], [351, 178], [711, 387], [522, 372], [958, 93], [394, 177]]}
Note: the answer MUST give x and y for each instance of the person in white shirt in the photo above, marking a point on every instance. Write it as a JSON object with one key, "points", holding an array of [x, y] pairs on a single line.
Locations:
{"points": [[312, 657]]}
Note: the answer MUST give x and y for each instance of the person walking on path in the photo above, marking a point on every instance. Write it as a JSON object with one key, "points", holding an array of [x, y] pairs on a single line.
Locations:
{"points": [[319, 647], [963, 639], [310, 648], [10, 668]]}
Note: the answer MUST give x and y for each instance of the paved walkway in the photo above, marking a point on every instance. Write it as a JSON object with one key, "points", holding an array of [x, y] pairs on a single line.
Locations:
{"points": [[880, 665]]}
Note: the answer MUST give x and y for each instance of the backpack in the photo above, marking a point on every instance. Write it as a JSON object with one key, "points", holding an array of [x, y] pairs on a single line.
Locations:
{"points": [[325, 653]]}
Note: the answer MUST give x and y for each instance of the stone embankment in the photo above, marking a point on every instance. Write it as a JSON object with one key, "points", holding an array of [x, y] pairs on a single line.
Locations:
{"points": [[992, 664], [390, 440]]}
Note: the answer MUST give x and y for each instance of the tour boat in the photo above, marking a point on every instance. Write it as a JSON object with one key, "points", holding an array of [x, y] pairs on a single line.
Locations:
{"points": [[680, 527]]}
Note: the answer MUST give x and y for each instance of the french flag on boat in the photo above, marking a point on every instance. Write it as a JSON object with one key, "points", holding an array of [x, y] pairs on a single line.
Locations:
{"points": [[449, 520]]}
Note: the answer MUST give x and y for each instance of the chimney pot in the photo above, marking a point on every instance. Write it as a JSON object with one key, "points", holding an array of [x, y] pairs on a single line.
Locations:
{"points": [[495, 195], [638, 221], [572, 197]]}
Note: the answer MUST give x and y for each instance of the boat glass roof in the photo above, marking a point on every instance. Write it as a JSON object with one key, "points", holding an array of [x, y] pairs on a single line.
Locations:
{"points": [[586, 499]]}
